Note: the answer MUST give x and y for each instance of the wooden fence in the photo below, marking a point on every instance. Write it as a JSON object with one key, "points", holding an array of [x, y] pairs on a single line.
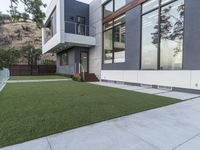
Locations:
{"points": [[23, 70]]}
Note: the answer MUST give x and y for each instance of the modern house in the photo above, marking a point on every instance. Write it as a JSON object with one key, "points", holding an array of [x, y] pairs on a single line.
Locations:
{"points": [[142, 42]]}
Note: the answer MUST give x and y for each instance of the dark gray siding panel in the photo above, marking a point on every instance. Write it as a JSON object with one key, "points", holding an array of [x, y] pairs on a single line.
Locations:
{"points": [[191, 59], [73, 9], [133, 21], [133, 37]]}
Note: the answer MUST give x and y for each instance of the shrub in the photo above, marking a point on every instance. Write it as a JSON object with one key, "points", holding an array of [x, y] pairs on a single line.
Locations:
{"points": [[8, 57], [64, 75], [48, 62], [77, 77]]}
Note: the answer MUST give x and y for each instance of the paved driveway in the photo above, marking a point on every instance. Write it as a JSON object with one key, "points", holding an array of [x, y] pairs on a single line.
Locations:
{"points": [[175, 127]]}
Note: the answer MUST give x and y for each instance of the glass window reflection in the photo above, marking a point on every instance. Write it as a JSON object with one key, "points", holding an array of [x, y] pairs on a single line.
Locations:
{"points": [[149, 5], [108, 8], [108, 47], [150, 40], [171, 47], [119, 43], [119, 4]]}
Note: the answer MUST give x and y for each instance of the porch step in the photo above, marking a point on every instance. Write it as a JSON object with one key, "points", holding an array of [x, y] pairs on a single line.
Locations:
{"points": [[90, 77]]}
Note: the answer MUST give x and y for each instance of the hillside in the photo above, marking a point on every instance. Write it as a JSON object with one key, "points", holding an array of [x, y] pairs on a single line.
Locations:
{"points": [[17, 35], [20, 34]]}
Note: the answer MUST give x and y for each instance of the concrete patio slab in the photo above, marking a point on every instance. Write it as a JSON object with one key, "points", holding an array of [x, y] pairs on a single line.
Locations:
{"points": [[148, 90], [120, 86], [132, 88], [104, 136], [193, 144], [166, 127], [151, 91], [108, 84], [38, 144], [179, 95], [141, 89]]}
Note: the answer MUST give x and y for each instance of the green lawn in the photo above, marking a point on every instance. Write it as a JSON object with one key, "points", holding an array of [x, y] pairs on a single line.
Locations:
{"points": [[36, 77], [33, 110]]}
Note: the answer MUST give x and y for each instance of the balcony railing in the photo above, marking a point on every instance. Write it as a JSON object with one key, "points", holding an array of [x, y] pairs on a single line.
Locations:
{"points": [[70, 27], [79, 29]]}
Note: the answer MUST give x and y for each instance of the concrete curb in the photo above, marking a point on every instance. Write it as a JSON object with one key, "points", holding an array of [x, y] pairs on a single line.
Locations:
{"points": [[36, 81]]}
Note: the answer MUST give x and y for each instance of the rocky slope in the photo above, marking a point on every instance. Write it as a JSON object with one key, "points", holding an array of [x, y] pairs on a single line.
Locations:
{"points": [[21, 34]]}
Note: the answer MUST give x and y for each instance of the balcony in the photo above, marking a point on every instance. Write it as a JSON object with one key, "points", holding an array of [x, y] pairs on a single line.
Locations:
{"points": [[73, 34]]}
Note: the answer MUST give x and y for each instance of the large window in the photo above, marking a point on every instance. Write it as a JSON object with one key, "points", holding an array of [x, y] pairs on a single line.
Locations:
{"points": [[119, 3], [150, 41], [171, 44], [108, 8], [113, 5], [64, 59], [52, 23], [162, 35], [149, 5], [114, 41], [108, 46], [119, 43], [50, 29]]}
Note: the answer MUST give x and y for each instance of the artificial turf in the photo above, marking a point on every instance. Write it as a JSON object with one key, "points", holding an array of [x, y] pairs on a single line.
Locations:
{"points": [[33, 110]]}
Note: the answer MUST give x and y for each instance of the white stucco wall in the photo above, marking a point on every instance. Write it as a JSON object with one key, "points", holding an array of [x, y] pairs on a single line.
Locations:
{"points": [[188, 79], [57, 38], [96, 29]]}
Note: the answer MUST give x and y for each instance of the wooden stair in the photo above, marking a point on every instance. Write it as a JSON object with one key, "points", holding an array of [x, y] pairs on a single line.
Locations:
{"points": [[89, 77]]}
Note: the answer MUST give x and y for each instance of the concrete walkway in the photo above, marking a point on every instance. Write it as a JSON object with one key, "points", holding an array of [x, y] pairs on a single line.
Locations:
{"points": [[35, 81], [175, 127], [149, 90]]}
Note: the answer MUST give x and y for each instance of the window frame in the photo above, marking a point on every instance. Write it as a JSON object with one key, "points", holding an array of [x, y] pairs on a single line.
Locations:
{"points": [[67, 59], [113, 51], [110, 29], [113, 1], [81, 17], [79, 25], [104, 8], [159, 8], [141, 31], [114, 48], [114, 7]]}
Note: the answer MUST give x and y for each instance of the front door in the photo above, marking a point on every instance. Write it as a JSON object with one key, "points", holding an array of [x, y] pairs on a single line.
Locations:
{"points": [[84, 61]]}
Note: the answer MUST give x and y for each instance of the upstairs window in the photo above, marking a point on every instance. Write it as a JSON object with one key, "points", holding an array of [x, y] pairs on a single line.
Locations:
{"points": [[50, 28], [108, 8], [119, 4], [112, 6], [150, 5]]}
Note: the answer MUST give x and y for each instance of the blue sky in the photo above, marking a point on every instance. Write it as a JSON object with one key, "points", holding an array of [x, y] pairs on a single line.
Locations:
{"points": [[5, 4]]}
